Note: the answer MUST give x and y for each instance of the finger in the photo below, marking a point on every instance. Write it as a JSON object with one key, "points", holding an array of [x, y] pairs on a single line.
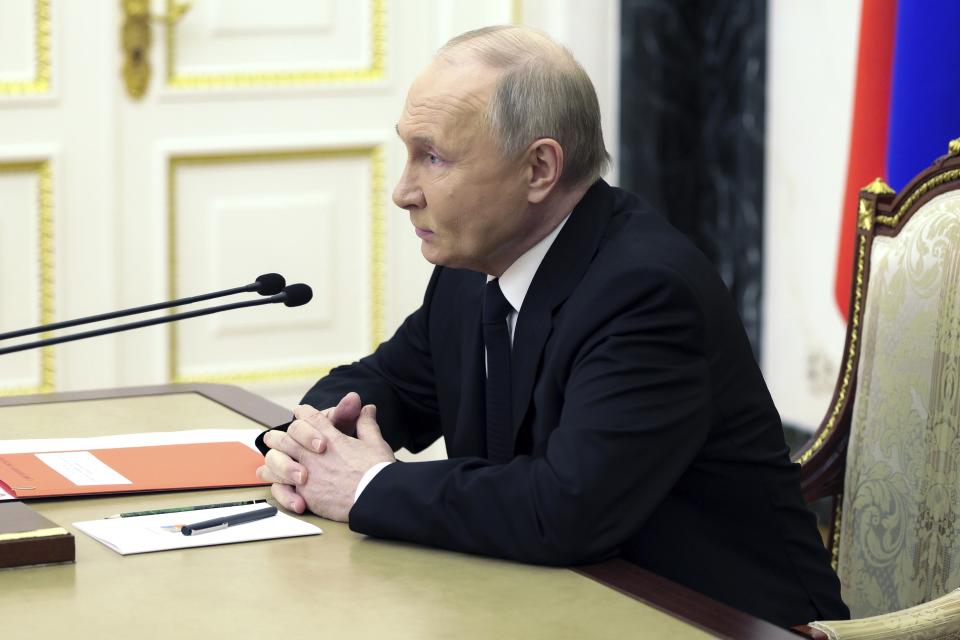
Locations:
{"points": [[267, 475], [264, 473], [367, 427], [286, 496], [347, 410], [306, 435], [285, 442], [304, 411], [324, 432], [283, 469]]}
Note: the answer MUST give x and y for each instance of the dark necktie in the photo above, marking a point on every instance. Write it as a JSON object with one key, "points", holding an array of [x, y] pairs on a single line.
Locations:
{"points": [[496, 338]]}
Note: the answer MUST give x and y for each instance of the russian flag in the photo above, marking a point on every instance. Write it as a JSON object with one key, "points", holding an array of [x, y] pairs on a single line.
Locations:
{"points": [[906, 103]]}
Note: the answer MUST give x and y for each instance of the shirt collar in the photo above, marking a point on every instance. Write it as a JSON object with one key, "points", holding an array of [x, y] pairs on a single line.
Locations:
{"points": [[516, 280]]}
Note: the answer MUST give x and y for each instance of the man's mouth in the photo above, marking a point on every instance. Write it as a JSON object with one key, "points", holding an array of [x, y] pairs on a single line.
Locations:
{"points": [[422, 233]]}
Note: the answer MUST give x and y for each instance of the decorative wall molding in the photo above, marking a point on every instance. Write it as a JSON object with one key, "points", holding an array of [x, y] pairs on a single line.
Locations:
{"points": [[376, 70], [374, 154], [40, 83], [45, 252]]}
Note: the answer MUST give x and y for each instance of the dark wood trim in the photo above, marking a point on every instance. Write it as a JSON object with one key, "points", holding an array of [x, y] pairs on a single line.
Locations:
{"points": [[809, 632], [883, 230], [247, 404], [888, 205], [681, 602]]}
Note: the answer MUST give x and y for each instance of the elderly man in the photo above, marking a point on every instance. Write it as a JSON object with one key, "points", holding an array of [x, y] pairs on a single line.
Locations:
{"points": [[584, 362]]}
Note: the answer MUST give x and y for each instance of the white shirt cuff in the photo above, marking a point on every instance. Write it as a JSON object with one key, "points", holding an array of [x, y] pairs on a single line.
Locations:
{"points": [[367, 477]]}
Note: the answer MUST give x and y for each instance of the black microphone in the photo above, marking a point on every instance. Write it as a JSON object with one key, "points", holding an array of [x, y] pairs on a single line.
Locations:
{"points": [[266, 285], [293, 295]]}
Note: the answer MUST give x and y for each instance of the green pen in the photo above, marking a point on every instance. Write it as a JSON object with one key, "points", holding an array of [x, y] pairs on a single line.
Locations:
{"points": [[196, 507]]}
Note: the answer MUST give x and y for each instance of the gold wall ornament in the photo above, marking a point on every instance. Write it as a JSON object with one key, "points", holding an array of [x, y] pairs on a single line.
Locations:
{"points": [[953, 147], [136, 37], [878, 187], [135, 41]]}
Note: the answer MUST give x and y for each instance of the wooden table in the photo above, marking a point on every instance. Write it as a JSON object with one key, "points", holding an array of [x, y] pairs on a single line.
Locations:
{"points": [[341, 584]]}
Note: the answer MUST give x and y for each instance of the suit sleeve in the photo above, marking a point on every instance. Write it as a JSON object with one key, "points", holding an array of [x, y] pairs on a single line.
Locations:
{"points": [[397, 377], [637, 408]]}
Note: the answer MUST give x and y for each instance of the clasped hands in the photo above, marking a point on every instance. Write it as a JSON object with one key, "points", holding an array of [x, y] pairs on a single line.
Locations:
{"points": [[318, 463]]}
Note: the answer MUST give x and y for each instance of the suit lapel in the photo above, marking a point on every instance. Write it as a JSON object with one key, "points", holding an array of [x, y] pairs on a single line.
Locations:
{"points": [[561, 269]]}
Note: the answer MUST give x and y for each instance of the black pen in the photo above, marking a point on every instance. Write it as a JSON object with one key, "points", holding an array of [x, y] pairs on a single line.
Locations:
{"points": [[216, 524]]}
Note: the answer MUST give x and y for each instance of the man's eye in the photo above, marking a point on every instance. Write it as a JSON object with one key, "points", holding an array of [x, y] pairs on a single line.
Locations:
{"points": [[433, 158]]}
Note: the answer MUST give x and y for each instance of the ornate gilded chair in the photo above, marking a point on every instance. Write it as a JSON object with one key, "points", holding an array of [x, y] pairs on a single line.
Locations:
{"points": [[888, 450]]}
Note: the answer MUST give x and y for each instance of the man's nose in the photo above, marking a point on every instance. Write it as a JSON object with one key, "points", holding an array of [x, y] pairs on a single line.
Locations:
{"points": [[407, 195]]}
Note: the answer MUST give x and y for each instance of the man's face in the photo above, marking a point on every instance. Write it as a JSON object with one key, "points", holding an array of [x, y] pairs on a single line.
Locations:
{"points": [[467, 203]]}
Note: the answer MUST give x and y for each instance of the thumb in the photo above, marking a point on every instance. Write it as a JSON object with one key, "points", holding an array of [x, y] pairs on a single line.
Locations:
{"points": [[347, 410], [367, 427]]}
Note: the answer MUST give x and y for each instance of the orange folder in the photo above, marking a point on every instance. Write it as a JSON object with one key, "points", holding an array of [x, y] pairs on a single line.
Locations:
{"points": [[170, 467]]}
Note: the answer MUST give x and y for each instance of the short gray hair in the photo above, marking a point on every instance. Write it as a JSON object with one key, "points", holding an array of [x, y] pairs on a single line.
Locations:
{"points": [[542, 93]]}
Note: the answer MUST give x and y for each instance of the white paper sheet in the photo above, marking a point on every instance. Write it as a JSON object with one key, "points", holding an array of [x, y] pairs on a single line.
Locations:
{"points": [[144, 534], [82, 468]]}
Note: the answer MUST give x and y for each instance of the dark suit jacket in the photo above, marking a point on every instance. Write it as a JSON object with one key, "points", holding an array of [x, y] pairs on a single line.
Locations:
{"points": [[643, 425]]}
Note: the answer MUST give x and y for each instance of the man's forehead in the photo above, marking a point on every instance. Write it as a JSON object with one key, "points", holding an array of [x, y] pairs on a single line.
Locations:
{"points": [[442, 94]]}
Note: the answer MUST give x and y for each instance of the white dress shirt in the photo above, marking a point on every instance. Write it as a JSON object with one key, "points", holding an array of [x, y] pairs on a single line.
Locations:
{"points": [[514, 283]]}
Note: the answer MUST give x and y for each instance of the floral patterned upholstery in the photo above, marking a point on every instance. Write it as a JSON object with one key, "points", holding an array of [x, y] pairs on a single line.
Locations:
{"points": [[899, 542]]}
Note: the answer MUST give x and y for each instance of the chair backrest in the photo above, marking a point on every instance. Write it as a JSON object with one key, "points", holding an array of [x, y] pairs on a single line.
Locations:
{"points": [[896, 412]]}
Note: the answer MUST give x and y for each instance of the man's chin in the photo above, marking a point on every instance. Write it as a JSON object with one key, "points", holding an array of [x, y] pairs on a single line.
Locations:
{"points": [[440, 259], [431, 255]]}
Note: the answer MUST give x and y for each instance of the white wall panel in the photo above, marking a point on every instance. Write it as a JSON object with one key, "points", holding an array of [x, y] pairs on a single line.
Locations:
{"points": [[306, 214], [280, 36], [17, 40], [25, 280], [248, 235], [809, 107]]}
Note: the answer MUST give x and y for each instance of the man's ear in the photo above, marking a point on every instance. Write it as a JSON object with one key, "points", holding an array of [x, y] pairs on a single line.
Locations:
{"points": [[545, 164]]}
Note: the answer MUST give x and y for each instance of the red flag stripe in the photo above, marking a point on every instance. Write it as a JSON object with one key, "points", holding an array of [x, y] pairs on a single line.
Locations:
{"points": [[869, 131]]}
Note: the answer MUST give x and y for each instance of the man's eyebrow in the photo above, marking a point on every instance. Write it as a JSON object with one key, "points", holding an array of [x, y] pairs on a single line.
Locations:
{"points": [[424, 140]]}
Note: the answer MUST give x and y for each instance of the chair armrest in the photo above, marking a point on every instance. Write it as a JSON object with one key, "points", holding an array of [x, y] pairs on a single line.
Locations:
{"points": [[932, 620]]}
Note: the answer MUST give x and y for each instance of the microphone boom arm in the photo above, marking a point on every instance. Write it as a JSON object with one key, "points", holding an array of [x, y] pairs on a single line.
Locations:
{"points": [[268, 283], [280, 297]]}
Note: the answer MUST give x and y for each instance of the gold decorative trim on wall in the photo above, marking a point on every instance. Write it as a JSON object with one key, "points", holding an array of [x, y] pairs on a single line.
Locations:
{"points": [[378, 239], [378, 259], [45, 247], [40, 83], [376, 70]]}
